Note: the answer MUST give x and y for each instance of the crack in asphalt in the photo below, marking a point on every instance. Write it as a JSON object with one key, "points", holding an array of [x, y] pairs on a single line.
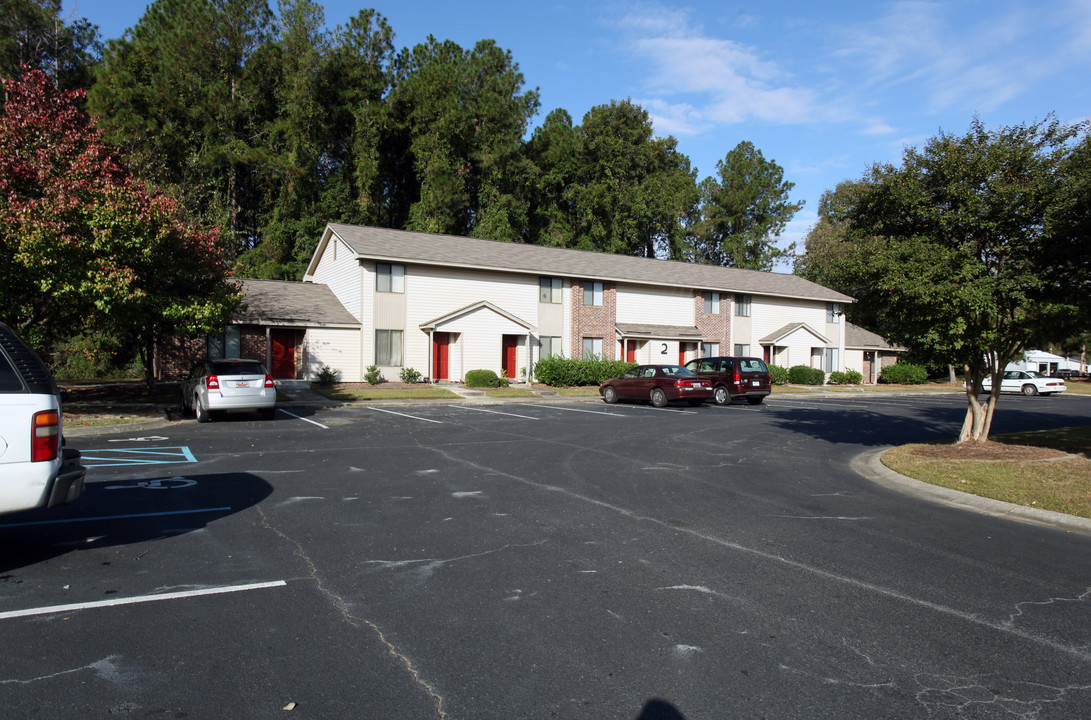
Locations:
{"points": [[355, 620]]}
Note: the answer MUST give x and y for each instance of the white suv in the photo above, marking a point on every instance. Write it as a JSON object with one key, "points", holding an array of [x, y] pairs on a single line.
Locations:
{"points": [[36, 470]]}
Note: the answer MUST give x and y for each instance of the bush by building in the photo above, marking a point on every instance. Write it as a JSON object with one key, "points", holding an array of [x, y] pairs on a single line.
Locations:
{"points": [[566, 372], [903, 374]]}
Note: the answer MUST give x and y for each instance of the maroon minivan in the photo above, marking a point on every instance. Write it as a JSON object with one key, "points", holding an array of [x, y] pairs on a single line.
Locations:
{"points": [[734, 377]]}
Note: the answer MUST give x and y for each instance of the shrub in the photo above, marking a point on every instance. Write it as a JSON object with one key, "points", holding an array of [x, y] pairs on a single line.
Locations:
{"points": [[95, 356], [903, 374], [804, 375], [327, 375], [409, 375], [778, 375], [482, 378], [848, 377], [565, 372], [373, 376]]}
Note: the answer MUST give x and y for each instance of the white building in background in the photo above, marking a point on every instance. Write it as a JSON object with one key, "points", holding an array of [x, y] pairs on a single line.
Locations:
{"points": [[444, 305]]}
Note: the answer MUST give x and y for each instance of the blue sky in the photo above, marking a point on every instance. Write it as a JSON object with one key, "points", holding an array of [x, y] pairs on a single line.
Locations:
{"points": [[823, 88]]}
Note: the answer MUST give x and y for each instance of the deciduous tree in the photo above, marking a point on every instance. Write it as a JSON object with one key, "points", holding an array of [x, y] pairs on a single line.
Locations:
{"points": [[85, 246], [971, 250]]}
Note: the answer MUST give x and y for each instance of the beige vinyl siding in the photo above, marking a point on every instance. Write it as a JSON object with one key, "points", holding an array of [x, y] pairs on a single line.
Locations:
{"points": [[655, 306], [335, 347], [771, 314], [341, 275], [433, 292], [853, 360]]}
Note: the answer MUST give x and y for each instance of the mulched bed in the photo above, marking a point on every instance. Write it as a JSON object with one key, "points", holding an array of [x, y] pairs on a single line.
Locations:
{"points": [[986, 451]]}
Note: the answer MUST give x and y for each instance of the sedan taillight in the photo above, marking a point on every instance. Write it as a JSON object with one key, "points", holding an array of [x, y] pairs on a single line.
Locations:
{"points": [[269, 380], [212, 382], [45, 436]]}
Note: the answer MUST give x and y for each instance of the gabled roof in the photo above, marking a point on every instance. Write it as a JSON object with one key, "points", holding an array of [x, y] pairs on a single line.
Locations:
{"points": [[658, 332], [857, 338], [405, 247], [774, 337], [291, 304], [473, 307]]}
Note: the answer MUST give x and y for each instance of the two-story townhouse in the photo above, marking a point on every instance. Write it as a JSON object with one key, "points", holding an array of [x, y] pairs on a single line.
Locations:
{"points": [[445, 305]]}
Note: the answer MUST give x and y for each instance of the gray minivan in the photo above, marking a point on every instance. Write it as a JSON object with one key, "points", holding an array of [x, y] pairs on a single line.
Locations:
{"points": [[734, 377]]}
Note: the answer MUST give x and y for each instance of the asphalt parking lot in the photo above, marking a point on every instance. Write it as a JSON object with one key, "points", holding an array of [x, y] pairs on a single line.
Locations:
{"points": [[534, 560]]}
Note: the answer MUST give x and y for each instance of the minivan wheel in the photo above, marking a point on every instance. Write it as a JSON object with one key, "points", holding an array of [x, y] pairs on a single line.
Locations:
{"points": [[202, 414], [659, 398], [720, 395]]}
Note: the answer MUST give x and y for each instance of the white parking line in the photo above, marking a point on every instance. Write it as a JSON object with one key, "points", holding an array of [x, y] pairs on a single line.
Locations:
{"points": [[414, 417], [297, 417], [138, 599], [494, 412], [568, 409]]}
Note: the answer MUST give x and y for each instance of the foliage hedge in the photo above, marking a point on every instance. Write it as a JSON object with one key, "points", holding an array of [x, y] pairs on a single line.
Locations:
{"points": [[567, 372], [848, 377], [485, 378], [778, 375], [804, 375], [903, 374]]}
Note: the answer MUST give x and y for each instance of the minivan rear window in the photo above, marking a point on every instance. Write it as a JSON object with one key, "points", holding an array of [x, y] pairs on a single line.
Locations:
{"points": [[752, 365]]}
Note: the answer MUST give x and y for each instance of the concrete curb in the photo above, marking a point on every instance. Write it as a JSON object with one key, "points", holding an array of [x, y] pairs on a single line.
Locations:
{"points": [[870, 466]]}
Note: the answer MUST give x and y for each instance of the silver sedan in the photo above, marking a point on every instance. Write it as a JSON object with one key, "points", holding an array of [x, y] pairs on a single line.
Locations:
{"points": [[214, 386]]}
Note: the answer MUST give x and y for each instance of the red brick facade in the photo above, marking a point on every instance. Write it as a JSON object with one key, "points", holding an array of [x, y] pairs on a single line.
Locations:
{"points": [[594, 321], [715, 328], [175, 356]]}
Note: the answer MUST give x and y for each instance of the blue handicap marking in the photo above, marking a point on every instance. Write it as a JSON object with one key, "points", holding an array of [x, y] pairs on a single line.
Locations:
{"points": [[113, 457]]}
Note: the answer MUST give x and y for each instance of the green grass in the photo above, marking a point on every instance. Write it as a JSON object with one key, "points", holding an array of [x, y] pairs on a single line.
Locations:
{"points": [[1061, 485], [432, 393], [508, 392], [586, 391]]}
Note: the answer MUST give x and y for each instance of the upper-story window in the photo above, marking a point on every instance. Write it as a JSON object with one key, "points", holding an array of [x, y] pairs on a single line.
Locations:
{"points": [[592, 293], [742, 305], [389, 278], [832, 312], [712, 303], [549, 290]]}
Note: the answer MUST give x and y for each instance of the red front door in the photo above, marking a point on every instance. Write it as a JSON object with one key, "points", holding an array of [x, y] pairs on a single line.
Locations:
{"points": [[441, 342], [283, 351], [630, 351], [510, 347]]}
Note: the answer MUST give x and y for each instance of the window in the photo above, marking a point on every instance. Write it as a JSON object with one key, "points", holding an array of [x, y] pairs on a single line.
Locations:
{"points": [[549, 290], [550, 346], [832, 312], [742, 350], [592, 293], [742, 306], [592, 348], [712, 303], [710, 349], [388, 348], [389, 278], [831, 360]]}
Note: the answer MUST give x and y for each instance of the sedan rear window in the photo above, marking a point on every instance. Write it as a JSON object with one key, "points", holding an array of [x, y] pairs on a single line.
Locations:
{"points": [[237, 367]]}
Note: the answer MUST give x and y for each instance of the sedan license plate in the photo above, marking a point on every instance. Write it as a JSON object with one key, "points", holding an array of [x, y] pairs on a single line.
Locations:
{"points": [[242, 383]]}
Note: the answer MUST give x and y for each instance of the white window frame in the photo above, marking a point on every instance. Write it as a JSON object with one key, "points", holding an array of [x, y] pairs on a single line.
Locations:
{"points": [[830, 361], [550, 347], [742, 305], [389, 278], [742, 350], [833, 312], [712, 303], [549, 290], [388, 352], [710, 349], [589, 348], [592, 291]]}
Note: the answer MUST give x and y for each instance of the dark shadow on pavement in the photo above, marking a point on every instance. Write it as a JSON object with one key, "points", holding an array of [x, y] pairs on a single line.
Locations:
{"points": [[126, 512], [656, 709]]}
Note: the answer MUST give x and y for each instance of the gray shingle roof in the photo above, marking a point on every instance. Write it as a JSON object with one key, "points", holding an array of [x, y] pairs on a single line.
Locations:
{"points": [[284, 303], [659, 332], [858, 338], [406, 247]]}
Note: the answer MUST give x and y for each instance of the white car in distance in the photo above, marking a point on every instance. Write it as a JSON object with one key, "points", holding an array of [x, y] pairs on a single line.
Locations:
{"points": [[230, 385], [1026, 382]]}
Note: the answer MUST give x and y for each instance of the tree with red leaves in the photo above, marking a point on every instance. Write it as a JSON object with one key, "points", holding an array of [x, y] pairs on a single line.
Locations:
{"points": [[83, 244]]}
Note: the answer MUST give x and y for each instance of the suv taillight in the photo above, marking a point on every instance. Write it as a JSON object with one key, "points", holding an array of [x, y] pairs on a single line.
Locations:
{"points": [[212, 382], [268, 380], [737, 378], [45, 436]]}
